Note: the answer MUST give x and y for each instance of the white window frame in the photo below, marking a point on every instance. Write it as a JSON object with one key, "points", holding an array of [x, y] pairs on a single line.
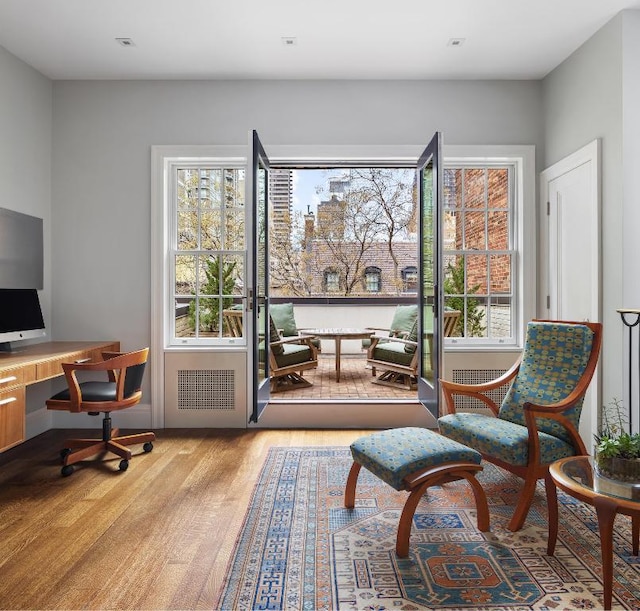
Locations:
{"points": [[172, 167], [521, 163]]}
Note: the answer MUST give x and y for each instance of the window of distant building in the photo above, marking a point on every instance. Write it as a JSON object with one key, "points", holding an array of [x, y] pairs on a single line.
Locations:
{"points": [[409, 279], [331, 281], [372, 279]]}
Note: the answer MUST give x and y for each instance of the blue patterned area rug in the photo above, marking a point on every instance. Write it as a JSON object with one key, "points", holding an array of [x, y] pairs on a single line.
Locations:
{"points": [[299, 548]]}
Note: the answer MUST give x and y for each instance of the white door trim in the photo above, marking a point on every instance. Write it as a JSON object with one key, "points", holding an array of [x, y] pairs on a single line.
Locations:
{"points": [[588, 154]]}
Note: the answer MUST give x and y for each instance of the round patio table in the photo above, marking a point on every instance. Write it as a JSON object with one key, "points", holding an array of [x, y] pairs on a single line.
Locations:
{"points": [[338, 334], [578, 478]]}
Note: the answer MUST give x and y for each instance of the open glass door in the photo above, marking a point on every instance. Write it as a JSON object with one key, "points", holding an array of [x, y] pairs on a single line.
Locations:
{"points": [[429, 173], [259, 296]]}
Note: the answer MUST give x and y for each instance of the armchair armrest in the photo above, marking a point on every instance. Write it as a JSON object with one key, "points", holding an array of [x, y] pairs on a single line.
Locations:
{"points": [[477, 391]]}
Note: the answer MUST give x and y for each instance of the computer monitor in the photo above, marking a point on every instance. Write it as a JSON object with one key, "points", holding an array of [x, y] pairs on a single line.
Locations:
{"points": [[20, 317]]}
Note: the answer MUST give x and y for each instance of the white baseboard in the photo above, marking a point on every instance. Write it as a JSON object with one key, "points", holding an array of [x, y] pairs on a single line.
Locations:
{"points": [[138, 417]]}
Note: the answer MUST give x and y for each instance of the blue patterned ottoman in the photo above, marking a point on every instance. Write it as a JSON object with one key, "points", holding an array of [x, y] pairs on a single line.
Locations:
{"points": [[414, 459]]}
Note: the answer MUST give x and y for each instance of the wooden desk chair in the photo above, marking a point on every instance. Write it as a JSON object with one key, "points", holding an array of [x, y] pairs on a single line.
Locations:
{"points": [[122, 390]]}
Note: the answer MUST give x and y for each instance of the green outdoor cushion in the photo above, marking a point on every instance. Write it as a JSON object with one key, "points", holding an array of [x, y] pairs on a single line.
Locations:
{"points": [[412, 337], [403, 319], [282, 314], [274, 336], [392, 352], [293, 354]]}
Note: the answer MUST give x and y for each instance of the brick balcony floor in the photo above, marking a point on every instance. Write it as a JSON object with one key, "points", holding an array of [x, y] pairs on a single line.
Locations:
{"points": [[355, 382]]}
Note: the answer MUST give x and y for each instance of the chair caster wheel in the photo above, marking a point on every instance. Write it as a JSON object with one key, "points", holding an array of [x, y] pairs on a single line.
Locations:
{"points": [[64, 453], [67, 470], [124, 465], [147, 447]]}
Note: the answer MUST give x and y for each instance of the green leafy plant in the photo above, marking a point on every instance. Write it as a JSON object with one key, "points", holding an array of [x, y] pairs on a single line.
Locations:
{"points": [[614, 441], [210, 306], [454, 285]]}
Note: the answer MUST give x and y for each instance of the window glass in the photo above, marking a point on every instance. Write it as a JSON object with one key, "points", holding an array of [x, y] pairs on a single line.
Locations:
{"points": [[479, 248], [207, 243]]}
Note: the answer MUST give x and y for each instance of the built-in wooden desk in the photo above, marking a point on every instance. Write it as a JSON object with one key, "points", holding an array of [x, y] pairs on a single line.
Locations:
{"points": [[31, 364]]}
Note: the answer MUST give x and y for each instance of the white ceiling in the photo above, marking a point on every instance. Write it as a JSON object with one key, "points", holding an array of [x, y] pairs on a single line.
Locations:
{"points": [[242, 39]]}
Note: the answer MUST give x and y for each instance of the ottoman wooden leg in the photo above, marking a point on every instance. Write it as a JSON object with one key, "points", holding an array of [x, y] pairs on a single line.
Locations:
{"points": [[350, 488], [417, 485]]}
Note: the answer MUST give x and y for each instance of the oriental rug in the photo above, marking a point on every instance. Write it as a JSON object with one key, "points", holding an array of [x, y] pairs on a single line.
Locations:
{"points": [[300, 549]]}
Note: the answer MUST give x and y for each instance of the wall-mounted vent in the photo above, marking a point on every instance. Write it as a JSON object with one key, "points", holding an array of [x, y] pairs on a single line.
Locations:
{"points": [[206, 389], [478, 376]]}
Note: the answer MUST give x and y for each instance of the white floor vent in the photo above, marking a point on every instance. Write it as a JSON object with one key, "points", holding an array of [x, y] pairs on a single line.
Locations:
{"points": [[478, 376], [206, 389]]}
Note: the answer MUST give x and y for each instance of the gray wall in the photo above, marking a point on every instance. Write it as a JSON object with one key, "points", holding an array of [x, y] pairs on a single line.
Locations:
{"points": [[25, 151], [103, 132], [595, 93]]}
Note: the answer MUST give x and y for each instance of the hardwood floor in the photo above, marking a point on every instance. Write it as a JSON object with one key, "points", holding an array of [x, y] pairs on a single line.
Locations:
{"points": [[157, 536]]}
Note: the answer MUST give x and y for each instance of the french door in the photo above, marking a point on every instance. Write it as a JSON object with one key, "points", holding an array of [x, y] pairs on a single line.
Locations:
{"points": [[430, 299], [258, 298]]}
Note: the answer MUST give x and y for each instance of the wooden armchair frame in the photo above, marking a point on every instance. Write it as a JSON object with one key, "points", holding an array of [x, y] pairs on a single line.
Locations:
{"points": [[290, 376], [394, 374], [535, 469]]}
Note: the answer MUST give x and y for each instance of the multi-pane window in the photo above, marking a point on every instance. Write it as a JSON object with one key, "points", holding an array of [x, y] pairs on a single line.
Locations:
{"points": [[480, 250], [331, 281], [372, 279], [410, 279], [207, 251]]}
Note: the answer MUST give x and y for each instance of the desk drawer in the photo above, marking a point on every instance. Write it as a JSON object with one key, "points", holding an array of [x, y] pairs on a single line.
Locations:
{"points": [[10, 378], [12, 417]]}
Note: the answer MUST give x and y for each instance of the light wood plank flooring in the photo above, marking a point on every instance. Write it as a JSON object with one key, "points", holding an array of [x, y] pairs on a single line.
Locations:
{"points": [[158, 536]]}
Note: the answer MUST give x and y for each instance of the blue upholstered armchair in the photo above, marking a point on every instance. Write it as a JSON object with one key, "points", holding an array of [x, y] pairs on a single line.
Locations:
{"points": [[537, 422]]}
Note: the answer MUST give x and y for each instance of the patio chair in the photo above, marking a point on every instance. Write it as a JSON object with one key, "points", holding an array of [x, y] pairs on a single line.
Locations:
{"points": [[288, 358], [283, 317], [537, 422], [403, 319], [398, 356], [232, 320]]}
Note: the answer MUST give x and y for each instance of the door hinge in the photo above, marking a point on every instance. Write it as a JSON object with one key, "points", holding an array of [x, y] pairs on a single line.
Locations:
{"points": [[548, 302], [548, 208]]}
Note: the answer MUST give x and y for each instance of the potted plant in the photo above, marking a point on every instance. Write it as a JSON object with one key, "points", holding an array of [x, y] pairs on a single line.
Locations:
{"points": [[617, 452]]}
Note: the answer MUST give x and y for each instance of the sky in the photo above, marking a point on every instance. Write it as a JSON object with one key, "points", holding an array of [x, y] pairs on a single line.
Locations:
{"points": [[304, 188]]}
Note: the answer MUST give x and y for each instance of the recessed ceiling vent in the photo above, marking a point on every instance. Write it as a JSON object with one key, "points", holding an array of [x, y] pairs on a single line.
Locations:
{"points": [[125, 42]]}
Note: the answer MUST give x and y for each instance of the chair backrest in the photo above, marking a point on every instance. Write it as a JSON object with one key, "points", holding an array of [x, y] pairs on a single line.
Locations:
{"points": [[282, 314], [556, 357], [232, 319], [133, 379], [403, 319], [449, 321]]}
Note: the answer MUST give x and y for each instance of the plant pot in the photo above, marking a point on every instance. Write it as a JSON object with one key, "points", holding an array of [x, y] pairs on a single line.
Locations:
{"points": [[621, 469]]}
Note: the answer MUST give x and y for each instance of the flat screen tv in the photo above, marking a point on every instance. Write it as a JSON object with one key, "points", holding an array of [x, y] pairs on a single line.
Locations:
{"points": [[20, 317], [21, 251]]}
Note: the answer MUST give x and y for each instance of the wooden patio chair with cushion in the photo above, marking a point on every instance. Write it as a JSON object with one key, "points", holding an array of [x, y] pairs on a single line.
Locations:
{"points": [[397, 357], [401, 323], [537, 422], [288, 358], [283, 317]]}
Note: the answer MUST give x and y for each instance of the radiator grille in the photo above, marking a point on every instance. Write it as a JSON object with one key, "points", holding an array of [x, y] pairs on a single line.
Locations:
{"points": [[206, 389], [478, 376]]}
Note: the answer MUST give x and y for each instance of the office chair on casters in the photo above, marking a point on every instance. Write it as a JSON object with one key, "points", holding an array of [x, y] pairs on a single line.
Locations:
{"points": [[122, 390]]}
